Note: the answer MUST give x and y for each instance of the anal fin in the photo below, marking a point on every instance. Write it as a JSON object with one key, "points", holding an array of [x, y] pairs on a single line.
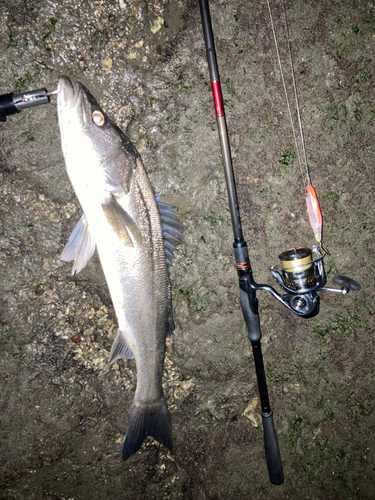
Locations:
{"points": [[120, 348]]}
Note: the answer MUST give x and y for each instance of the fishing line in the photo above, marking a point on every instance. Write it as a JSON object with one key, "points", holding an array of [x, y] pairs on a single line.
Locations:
{"points": [[284, 85], [296, 96], [313, 207]]}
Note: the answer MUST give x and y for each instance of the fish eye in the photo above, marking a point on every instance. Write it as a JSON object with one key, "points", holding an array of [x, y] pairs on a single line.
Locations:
{"points": [[98, 118]]}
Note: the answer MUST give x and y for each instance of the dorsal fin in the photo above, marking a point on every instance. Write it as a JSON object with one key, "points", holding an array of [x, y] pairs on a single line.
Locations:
{"points": [[173, 230]]}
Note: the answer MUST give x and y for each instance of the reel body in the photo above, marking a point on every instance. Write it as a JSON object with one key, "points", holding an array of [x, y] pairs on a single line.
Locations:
{"points": [[301, 277]]}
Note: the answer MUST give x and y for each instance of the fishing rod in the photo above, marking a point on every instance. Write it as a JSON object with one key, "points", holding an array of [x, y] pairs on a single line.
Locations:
{"points": [[302, 273], [248, 298]]}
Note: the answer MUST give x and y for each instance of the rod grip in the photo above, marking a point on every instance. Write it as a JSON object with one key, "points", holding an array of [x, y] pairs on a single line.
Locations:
{"points": [[273, 457], [249, 305]]}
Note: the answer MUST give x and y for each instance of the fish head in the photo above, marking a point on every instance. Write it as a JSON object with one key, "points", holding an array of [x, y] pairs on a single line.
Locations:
{"points": [[100, 159], [83, 123]]}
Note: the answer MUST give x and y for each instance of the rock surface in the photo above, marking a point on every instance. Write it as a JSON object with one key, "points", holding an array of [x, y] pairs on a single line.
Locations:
{"points": [[63, 410]]}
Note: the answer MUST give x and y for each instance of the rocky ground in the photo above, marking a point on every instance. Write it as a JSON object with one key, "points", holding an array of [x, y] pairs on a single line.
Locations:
{"points": [[63, 410]]}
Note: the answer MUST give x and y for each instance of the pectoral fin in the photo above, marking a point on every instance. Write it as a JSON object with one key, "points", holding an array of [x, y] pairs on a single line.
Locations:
{"points": [[80, 246], [121, 222]]}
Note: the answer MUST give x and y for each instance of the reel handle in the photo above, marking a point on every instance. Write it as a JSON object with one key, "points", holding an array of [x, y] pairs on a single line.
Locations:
{"points": [[346, 282]]}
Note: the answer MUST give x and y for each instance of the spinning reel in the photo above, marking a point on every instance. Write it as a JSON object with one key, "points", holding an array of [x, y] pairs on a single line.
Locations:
{"points": [[301, 277]]}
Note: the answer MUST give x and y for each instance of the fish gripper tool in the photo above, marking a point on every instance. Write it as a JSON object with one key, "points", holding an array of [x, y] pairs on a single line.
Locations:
{"points": [[11, 104]]}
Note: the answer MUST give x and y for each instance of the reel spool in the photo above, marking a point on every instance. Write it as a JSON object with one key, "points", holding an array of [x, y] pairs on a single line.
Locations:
{"points": [[298, 268]]}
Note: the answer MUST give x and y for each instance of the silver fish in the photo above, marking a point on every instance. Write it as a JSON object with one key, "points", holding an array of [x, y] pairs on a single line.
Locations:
{"points": [[136, 236]]}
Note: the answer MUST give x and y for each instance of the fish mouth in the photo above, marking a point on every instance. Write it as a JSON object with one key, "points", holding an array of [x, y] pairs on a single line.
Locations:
{"points": [[68, 94], [72, 115], [71, 102]]}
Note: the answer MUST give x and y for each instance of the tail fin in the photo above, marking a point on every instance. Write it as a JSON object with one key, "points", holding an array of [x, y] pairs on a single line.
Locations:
{"points": [[146, 421]]}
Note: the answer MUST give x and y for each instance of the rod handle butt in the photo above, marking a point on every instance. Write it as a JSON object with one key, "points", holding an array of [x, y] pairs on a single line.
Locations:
{"points": [[273, 457]]}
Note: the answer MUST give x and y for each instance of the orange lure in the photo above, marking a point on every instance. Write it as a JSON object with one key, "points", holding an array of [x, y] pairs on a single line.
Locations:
{"points": [[315, 214]]}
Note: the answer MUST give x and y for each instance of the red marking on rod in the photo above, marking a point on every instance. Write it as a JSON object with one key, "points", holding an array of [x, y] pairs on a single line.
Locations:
{"points": [[243, 265], [216, 91]]}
